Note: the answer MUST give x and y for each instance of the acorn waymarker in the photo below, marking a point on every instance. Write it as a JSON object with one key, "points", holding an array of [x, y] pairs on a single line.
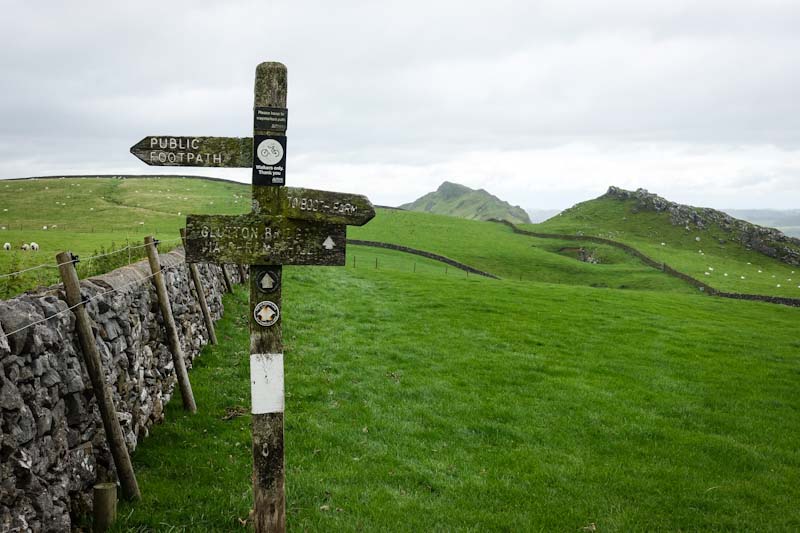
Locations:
{"points": [[287, 226]]}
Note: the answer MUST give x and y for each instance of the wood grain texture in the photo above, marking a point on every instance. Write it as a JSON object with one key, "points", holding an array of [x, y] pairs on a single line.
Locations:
{"points": [[268, 457], [182, 151], [314, 205], [104, 506], [102, 392], [270, 87], [226, 276], [268, 453], [258, 239], [178, 358], [201, 296]]}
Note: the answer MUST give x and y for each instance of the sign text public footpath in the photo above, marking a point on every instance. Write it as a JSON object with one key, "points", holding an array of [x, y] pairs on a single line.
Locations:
{"points": [[287, 226]]}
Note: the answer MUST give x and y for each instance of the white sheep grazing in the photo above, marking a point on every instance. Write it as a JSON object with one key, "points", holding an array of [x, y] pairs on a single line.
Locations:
{"points": [[34, 247], [7, 246], [44, 228], [25, 247]]}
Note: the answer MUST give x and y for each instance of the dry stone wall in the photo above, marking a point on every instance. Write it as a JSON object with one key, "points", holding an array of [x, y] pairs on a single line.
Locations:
{"points": [[422, 253], [768, 241], [52, 444], [708, 289]]}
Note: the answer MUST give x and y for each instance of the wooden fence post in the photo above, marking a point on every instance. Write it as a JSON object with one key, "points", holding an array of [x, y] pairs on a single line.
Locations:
{"points": [[104, 506], [169, 324], [227, 278], [201, 296], [94, 367], [242, 275]]}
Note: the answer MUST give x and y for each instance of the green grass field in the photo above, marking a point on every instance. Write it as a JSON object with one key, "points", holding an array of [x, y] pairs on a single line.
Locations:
{"points": [[102, 211], [564, 396], [496, 249], [89, 215], [418, 402], [730, 266]]}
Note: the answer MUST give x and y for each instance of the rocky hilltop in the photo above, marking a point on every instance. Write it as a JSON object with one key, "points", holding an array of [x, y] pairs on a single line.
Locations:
{"points": [[768, 241], [460, 201]]}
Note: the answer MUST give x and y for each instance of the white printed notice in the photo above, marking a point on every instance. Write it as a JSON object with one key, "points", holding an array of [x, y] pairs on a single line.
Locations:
{"points": [[266, 383]]}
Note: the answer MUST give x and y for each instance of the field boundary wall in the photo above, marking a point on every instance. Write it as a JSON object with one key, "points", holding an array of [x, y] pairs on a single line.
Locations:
{"points": [[52, 445], [422, 253], [649, 261]]}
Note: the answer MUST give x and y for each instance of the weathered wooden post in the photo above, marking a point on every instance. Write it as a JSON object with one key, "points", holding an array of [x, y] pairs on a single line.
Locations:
{"points": [[173, 340], [227, 277], [287, 226], [94, 367], [104, 506], [201, 296]]}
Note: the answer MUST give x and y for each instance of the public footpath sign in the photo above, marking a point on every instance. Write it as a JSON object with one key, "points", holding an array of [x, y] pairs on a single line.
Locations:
{"points": [[287, 226]]}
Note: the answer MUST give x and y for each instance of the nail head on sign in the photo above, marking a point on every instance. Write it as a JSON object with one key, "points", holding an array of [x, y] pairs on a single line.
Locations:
{"points": [[266, 313]]}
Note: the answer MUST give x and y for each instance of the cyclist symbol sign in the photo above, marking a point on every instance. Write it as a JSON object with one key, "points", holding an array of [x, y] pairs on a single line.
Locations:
{"points": [[269, 161], [270, 151]]}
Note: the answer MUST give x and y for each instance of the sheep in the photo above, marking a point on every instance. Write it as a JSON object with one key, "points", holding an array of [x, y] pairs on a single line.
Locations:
{"points": [[7, 246], [34, 247], [25, 247]]}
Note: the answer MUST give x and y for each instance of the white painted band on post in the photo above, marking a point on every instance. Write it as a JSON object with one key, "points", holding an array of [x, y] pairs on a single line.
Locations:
{"points": [[266, 383]]}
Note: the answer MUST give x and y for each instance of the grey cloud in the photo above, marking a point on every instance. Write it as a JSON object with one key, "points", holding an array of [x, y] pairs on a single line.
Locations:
{"points": [[413, 83]]}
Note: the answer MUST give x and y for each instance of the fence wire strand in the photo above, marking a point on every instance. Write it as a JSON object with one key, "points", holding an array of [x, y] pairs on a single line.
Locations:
{"points": [[45, 265], [98, 295]]}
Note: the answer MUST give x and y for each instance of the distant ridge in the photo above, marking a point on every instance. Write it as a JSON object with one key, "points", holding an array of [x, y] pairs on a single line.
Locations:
{"points": [[122, 176], [786, 220], [460, 201], [768, 241]]}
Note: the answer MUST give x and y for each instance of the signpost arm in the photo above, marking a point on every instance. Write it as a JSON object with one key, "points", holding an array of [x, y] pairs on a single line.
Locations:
{"points": [[266, 348]]}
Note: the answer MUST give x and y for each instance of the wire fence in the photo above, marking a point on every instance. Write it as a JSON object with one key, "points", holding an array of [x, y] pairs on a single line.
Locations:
{"points": [[96, 296], [101, 261], [357, 261], [399, 263], [135, 229]]}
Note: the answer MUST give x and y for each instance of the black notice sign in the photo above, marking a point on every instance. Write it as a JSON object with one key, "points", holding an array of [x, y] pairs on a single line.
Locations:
{"points": [[270, 118], [269, 160]]}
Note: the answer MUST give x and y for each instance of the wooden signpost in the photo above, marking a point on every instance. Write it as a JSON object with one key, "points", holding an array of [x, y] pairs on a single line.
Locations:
{"points": [[287, 226]]}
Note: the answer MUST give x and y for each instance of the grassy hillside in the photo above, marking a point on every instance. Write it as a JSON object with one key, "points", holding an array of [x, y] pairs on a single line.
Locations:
{"points": [[90, 215], [495, 248], [708, 255], [460, 201], [102, 211], [423, 399], [419, 403]]}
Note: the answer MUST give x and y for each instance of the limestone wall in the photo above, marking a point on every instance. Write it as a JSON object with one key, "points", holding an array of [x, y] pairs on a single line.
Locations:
{"points": [[52, 444], [793, 302]]}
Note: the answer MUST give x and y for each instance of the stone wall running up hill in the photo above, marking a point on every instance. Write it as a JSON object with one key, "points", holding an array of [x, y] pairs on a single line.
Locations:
{"points": [[768, 241], [52, 444], [649, 261]]}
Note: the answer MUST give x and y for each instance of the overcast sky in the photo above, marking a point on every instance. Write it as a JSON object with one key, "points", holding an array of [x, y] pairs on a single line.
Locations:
{"points": [[541, 103]]}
